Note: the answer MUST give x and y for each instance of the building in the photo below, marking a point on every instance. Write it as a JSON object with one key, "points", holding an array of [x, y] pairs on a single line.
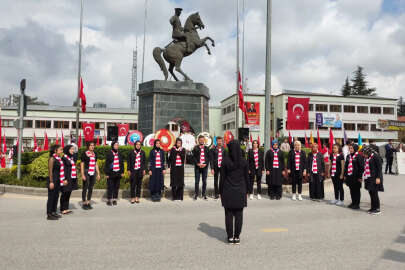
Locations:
{"points": [[56, 120], [358, 114]]}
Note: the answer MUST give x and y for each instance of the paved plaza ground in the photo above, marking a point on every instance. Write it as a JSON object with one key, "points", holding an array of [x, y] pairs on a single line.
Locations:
{"points": [[190, 235]]}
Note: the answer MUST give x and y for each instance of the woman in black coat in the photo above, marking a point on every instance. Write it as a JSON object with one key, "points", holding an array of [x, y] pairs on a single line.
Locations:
{"points": [[316, 173], [136, 170], [114, 170], [256, 169], [373, 178], [157, 170], [69, 162], [55, 180], [233, 188], [274, 163], [337, 161], [175, 162], [354, 168]]}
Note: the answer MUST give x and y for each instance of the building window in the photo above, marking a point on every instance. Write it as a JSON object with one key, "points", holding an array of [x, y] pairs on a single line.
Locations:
{"points": [[99, 125], [42, 124], [321, 107], [362, 127], [7, 123], [311, 125], [349, 126], [61, 124], [134, 126], [232, 125], [324, 128], [362, 109], [74, 124], [311, 107], [375, 110], [388, 110], [373, 127], [335, 108], [224, 127], [233, 108], [28, 123], [228, 109], [349, 109], [223, 111]]}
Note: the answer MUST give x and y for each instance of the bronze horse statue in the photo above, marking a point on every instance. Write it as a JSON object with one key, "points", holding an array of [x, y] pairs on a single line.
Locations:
{"points": [[176, 51]]}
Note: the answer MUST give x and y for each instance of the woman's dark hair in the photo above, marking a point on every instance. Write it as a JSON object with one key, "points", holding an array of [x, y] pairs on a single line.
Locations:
{"points": [[53, 149], [178, 140], [138, 141], [339, 147], [66, 149], [89, 143], [201, 136], [154, 143], [256, 141], [112, 143], [235, 153]]}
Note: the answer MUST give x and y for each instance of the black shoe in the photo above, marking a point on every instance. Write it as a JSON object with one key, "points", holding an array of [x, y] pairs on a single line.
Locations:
{"points": [[56, 215], [236, 241], [205, 198], [195, 197], [355, 207], [51, 217], [109, 203], [89, 206], [278, 198], [114, 202], [350, 206], [230, 240], [271, 197], [370, 210], [376, 212]]}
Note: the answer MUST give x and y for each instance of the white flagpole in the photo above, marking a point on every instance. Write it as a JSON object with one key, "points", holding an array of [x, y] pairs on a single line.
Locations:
{"points": [[267, 116], [237, 72], [79, 73], [144, 37]]}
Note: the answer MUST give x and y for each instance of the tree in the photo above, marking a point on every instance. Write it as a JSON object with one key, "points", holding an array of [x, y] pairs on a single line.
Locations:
{"points": [[401, 107], [359, 86], [35, 101], [346, 89]]}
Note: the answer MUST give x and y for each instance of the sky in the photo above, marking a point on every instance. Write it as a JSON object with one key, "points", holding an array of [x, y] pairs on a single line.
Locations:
{"points": [[316, 44]]}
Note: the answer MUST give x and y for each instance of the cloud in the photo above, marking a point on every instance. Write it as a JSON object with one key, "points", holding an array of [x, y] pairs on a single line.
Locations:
{"points": [[315, 45]]}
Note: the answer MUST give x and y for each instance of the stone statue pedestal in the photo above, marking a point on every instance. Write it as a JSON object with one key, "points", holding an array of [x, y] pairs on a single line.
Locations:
{"points": [[162, 101]]}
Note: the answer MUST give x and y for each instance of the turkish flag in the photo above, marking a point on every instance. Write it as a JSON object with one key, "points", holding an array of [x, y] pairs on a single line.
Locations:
{"points": [[331, 141], [297, 117], [79, 143], [88, 131], [123, 129], [82, 96], [46, 143]]}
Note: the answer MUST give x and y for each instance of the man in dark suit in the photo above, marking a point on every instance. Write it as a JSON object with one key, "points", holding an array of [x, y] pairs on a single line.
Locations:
{"points": [[389, 156], [201, 158], [217, 154]]}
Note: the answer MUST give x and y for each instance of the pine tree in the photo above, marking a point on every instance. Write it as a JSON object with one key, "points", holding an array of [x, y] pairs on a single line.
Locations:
{"points": [[346, 89], [360, 84]]}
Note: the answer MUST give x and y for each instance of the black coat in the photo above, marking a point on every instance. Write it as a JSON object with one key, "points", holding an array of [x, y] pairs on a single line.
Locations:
{"points": [[214, 157], [320, 164], [109, 161], [176, 172], [358, 169], [233, 184], [389, 151], [375, 165], [339, 168], [275, 177], [196, 155], [131, 161], [291, 161], [72, 182], [251, 160]]}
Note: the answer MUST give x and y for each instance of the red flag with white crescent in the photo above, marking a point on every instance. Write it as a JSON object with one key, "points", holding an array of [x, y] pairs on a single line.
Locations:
{"points": [[3, 150], [82, 96], [79, 143], [297, 115], [123, 129], [88, 131], [46, 143], [241, 99]]}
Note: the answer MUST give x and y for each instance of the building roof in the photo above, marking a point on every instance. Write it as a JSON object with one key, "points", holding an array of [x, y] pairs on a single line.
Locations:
{"points": [[304, 93], [73, 109]]}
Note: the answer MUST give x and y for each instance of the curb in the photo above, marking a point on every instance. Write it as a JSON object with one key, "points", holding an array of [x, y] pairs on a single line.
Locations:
{"points": [[124, 194]]}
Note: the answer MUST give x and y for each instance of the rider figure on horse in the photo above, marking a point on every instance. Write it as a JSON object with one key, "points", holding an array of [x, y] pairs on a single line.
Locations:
{"points": [[178, 31]]}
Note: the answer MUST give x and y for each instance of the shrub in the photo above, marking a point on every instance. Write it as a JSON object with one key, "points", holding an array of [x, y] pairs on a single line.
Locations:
{"points": [[39, 167]]}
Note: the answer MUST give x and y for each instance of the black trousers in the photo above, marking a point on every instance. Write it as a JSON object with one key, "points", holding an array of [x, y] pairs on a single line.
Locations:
{"points": [[64, 200], [296, 180], [338, 188], [316, 190], [233, 222], [53, 196], [275, 191], [258, 174], [113, 186], [355, 193], [216, 177], [375, 200], [388, 166], [88, 187], [203, 172], [177, 193], [136, 183]]}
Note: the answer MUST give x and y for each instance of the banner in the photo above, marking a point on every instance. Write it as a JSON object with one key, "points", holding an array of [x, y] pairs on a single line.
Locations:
{"points": [[88, 131], [332, 120], [252, 116], [123, 129], [297, 113], [391, 124]]}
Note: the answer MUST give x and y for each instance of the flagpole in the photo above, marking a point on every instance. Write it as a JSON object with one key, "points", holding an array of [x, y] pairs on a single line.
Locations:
{"points": [[144, 38], [267, 116], [243, 56], [79, 73], [237, 72]]}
